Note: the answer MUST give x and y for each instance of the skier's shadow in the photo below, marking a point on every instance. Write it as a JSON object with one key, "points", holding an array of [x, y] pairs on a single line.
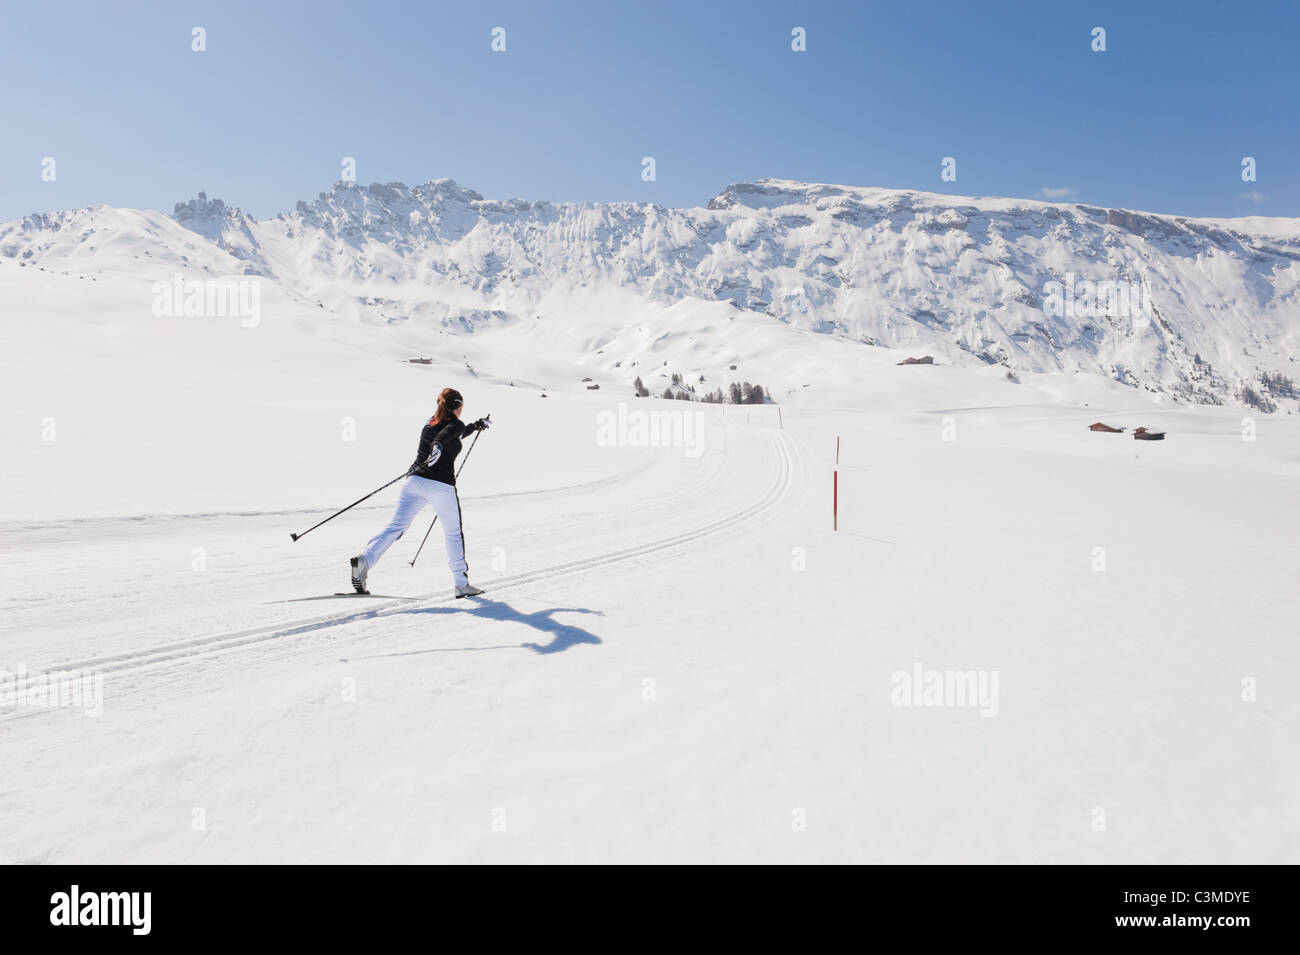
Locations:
{"points": [[563, 635]]}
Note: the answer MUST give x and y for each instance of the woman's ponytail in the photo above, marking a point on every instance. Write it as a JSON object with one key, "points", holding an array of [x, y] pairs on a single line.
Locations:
{"points": [[448, 401]]}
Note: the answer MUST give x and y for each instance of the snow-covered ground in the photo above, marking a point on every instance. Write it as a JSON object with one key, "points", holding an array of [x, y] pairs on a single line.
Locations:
{"points": [[677, 659]]}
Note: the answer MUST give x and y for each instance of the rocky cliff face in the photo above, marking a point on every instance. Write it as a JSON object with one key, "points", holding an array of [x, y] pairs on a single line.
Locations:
{"points": [[1203, 310]]}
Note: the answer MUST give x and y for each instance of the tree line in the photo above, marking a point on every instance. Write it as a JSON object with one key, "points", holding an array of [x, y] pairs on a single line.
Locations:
{"points": [[737, 393]]}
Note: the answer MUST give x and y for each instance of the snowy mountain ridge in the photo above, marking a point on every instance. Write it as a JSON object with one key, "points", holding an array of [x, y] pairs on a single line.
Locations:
{"points": [[1202, 310]]}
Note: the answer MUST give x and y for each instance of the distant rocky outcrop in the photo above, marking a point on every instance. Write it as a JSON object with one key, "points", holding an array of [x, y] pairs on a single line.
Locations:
{"points": [[1200, 310]]}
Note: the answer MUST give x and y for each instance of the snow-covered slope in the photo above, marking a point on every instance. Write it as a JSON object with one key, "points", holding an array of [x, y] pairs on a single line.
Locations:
{"points": [[1211, 306], [677, 658]]}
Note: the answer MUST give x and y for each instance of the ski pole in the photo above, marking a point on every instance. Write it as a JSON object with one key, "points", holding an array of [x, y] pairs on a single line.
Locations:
{"points": [[435, 516], [350, 506]]}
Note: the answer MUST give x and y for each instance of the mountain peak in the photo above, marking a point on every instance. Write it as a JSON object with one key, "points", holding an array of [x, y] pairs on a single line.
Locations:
{"points": [[349, 206], [202, 208], [349, 191]]}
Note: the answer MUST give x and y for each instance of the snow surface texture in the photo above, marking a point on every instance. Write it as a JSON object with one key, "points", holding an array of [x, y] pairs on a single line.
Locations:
{"points": [[677, 659]]}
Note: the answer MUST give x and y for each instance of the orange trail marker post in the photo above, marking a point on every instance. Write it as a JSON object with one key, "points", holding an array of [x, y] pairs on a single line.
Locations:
{"points": [[835, 489]]}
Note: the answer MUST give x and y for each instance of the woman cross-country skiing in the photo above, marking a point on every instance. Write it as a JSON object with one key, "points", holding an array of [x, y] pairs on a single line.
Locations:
{"points": [[431, 480]]}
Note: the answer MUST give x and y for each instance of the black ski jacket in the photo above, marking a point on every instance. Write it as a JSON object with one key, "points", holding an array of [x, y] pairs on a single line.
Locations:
{"points": [[439, 445]]}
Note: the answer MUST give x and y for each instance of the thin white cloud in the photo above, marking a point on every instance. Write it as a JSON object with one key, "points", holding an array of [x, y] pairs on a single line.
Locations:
{"points": [[1051, 194], [1255, 197]]}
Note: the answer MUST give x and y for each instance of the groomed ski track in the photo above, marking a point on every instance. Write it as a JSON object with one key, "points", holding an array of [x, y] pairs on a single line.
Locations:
{"points": [[757, 467]]}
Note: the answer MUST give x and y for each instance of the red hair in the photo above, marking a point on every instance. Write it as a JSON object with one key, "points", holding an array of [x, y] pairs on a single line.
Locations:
{"points": [[448, 401]]}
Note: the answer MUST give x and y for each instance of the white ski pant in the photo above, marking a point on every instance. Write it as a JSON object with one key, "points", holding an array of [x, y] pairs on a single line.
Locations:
{"points": [[417, 492]]}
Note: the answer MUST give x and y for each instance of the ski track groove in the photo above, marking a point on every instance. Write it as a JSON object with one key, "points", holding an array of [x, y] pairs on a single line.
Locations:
{"points": [[17, 527], [219, 643]]}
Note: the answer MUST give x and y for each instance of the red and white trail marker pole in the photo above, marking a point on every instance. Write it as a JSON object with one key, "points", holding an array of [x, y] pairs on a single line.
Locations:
{"points": [[835, 489]]}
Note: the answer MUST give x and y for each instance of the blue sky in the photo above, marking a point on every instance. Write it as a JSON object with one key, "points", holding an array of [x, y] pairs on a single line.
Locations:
{"points": [[1160, 121]]}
